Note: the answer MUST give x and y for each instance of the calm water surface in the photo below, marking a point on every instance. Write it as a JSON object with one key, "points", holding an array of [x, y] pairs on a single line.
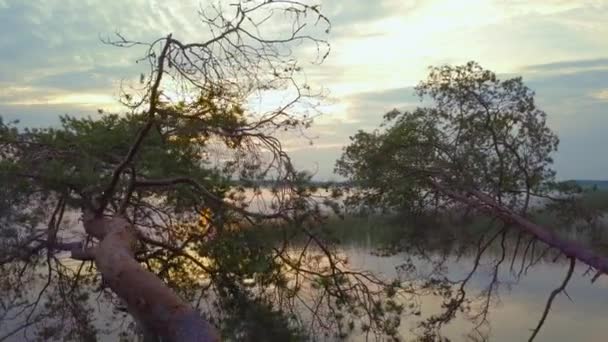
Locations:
{"points": [[518, 302]]}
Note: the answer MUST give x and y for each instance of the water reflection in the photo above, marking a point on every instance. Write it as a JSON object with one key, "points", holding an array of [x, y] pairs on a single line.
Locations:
{"points": [[513, 286], [502, 300]]}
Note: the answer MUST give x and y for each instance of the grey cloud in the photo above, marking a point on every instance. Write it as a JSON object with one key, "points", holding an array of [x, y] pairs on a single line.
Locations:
{"points": [[556, 89], [582, 151], [369, 107], [75, 80], [576, 33], [63, 36], [569, 65], [579, 119], [349, 17], [52, 47], [353, 11], [397, 95], [37, 41], [364, 112], [97, 78], [40, 116]]}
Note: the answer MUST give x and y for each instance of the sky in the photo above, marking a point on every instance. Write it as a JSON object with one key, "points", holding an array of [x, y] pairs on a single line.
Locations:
{"points": [[53, 62]]}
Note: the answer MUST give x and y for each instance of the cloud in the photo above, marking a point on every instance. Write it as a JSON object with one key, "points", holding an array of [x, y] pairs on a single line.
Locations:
{"points": [[576, 109], [569, 66], [601, 95], [369, 107], [360, 111], [100, 78], [356, 19], [42, 115], [58, 44], [53, 61]]}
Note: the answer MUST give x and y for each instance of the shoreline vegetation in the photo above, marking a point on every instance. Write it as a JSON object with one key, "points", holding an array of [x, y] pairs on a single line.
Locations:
{"points": [[386, 228], [584, 184]]}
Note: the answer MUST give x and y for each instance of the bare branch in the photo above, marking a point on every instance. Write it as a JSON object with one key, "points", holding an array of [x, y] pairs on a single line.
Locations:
{"points": [[154, 92]]}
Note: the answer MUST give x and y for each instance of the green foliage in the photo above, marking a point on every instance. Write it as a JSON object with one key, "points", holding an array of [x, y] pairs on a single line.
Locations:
{"points": [[477, 132], [76, 158], [168, 167], [245, 272], [198, 239], [81, 154]]}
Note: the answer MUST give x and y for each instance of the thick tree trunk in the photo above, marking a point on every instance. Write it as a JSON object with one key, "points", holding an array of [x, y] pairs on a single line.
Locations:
{"points": [[570, 248], [148, 299]]}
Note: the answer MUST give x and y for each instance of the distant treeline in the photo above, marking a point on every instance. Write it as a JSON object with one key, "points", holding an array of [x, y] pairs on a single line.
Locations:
{"points": [[583, 183], [594, 184], [274, 183]]}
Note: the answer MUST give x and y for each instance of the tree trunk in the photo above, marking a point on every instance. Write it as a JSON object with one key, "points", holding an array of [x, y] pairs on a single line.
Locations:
{"points": [[570, 248], [148, 299]]}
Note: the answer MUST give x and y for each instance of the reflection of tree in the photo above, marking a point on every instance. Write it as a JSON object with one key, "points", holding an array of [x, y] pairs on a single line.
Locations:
{"points": [[474, 303], [554, 294], [456, 303]]}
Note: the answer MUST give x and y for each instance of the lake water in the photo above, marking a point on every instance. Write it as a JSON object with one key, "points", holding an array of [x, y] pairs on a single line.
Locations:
{"points": [[517, 303], [518, 291]]}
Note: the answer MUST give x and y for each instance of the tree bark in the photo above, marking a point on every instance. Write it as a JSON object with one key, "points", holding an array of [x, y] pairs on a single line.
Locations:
{"points": [[570, 248], [148, 299]]}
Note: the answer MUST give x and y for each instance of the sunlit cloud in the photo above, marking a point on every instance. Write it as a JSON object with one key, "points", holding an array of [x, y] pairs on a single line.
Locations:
{"points": [[94, 100], [601, 95]]}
